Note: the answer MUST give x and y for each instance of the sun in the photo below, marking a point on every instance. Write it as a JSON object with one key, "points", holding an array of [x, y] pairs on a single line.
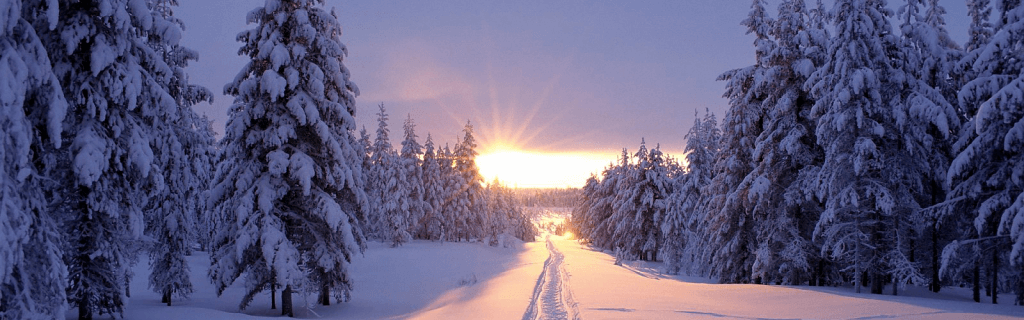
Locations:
{"points": [[526, 169]]}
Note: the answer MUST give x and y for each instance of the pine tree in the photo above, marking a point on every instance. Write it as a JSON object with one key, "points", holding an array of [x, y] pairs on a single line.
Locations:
{"points": [[433, 194], [867, 193], [785, 155], [731, 227], [927, 120], [370, 185], [113, 81], [470, 202], [584, 219], [453, 183], [290, 187], [655, 186], [609, 210], [381, 154], [685, 220], [987, 173], [182, 151], [412, 171], [500, 212], [392, 204], [32, 107]]}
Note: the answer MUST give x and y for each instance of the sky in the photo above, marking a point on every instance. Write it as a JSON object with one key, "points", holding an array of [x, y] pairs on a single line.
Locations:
{"points": [[545, 78]]}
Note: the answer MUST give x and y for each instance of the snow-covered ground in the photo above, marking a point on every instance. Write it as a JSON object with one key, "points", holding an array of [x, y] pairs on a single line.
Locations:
{"points": [[637, 290], [421, 279], [554, 279]]}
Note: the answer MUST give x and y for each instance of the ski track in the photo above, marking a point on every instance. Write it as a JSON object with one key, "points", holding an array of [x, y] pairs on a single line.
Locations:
{"points": [[552, 298]]}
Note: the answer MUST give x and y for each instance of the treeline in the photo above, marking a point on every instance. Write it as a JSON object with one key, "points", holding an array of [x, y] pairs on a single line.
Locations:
{"points": [[853, 152], [433, 193], [104, 160], [548, 197], [623, 211]]}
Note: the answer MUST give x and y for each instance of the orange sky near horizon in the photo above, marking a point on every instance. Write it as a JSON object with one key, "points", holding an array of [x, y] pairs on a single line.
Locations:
{"points": [[536, 169]]}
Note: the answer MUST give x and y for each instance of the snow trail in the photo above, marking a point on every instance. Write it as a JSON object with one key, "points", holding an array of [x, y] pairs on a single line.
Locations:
{"points": [[552, 298]]}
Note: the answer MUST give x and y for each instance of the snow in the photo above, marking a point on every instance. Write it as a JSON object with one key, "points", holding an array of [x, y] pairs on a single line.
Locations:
{"points": [[420, 279], [445, 280], [638, 290], [90, 156], [273, 84]]}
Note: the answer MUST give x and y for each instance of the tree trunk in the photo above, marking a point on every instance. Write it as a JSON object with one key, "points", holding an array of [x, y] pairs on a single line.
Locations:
{"points": [[858, 277], [895, 286], [286, 302], [84, 310], [820, 273], [127, 286], [166, 297], [935, 285], [995, 276], [273, 296], [977, 282], [325, 294], [877, 282]]}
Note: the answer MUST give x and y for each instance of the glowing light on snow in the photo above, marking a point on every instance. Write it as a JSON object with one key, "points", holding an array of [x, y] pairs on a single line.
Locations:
{"points": [[525, 169]]}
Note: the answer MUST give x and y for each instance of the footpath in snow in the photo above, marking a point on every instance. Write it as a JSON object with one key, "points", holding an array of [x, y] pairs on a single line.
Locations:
{"points": [[552, 296]]}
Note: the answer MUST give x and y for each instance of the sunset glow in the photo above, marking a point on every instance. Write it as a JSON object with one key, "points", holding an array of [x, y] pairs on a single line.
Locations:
{"points": [[526, 169]]}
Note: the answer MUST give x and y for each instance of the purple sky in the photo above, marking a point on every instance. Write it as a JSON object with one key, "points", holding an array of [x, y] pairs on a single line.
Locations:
{"points": [[592, 76]]}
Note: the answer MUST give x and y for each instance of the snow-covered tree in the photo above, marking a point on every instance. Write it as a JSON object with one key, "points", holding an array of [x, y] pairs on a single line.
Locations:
{"points": [[988, 173], [500, 212], [581, 223], [606, 210], [470, 209], [434, 195], [452, 185], [639, 205], [926, 119], [114, 83], [32, 108], [389, 184], [290, 187], [369, 186], [412, 171], [731, 228], [867, 225], [182, 150], [507, 217], [785, 158], [654, 187], [686, 209]]}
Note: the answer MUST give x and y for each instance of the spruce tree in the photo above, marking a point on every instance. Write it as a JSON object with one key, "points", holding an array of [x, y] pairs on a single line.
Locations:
{"points": [[451, 227], [865, 189], [785, 156], [987, 173], [433, 193], [182, 152], [412, 171], [290, 188], [731, 228], [119, 104], [929, 121], [391, 197], [32, 108], [685, 221], [470, 202]]}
